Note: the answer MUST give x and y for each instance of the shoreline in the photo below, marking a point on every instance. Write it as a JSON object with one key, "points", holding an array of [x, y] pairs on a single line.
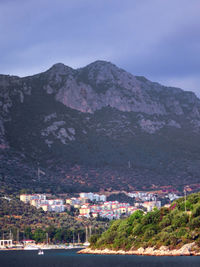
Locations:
{"points": [[36, 248], [186, 250]]}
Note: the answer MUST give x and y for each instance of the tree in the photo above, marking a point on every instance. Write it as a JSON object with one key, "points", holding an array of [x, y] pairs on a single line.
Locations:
{"points": [[39, 235], [28, 233]]}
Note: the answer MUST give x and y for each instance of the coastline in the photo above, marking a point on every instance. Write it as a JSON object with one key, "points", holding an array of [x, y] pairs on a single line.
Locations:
{"points": [[186, 250], [57, 247]]}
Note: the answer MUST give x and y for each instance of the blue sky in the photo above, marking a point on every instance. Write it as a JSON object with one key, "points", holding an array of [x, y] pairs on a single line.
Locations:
{"points": [[159, 39]]}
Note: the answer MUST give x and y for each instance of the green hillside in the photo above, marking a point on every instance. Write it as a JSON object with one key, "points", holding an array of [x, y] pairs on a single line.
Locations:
{"points": [[172, 227]]}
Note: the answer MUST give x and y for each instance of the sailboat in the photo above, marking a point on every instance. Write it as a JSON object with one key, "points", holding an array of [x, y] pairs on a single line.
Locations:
{"points": [[86, 244], [40, 252], [71, 245]]}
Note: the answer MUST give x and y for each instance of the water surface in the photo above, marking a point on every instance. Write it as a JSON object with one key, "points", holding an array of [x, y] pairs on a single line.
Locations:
{"points": [[61, 258]]}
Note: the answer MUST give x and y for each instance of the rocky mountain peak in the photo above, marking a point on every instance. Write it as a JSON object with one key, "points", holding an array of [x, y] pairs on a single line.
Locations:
{"points": [[102, 84], [60, 68], [101, 72], [101, 66]]}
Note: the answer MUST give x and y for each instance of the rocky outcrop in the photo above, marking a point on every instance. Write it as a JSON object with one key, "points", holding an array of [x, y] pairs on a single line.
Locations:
{"points": [[102, 84], [186, 250]]}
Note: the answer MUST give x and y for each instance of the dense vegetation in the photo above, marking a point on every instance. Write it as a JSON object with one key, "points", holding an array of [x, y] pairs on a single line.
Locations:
{"points": [[121, 197], [25, 222], [173, 227], [19, 171]]}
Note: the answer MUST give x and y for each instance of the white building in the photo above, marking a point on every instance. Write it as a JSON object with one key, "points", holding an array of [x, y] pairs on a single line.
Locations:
{"points": [[40, 201], [28, 197], [93, 197], [83, 195], [102, 198], [150, 205], [57, 208]]}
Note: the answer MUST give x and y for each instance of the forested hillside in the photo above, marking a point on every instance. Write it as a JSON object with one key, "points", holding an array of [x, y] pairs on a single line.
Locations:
{"points": [[172, 227]]}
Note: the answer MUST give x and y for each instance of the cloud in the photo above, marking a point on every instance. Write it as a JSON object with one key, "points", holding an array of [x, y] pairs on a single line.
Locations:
{"points": [[187, 83], [157, 39]]}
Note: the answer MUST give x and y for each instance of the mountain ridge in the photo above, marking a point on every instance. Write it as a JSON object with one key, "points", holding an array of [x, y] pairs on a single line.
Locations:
{"points": [[103, 117]]}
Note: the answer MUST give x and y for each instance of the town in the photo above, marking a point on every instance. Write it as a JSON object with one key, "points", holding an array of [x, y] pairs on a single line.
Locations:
{"points": [[97, 206], [92, 211]]}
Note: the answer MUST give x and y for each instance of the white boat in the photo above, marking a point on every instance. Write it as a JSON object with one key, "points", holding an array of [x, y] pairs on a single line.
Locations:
{"points": [[40, 252], [86, 244], [29, 247], [69, 247]]}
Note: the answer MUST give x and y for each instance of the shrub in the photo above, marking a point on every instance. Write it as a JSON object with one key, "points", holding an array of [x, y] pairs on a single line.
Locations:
{"points": [[181, 219], [136, 217], [93, 239], [165, 222], [196, 211], [195, 223]]}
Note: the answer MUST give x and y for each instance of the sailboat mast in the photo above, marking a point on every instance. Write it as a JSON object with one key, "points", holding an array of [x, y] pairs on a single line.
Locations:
{"points": [[86, 234], [47, 236], [90, 228]]}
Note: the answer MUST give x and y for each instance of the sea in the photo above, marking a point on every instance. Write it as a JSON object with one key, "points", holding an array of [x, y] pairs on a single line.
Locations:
{"points": [[69, 258]]}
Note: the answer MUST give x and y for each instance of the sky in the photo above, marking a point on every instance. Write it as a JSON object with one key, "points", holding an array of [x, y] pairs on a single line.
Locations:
{"points": [[158, 39]]}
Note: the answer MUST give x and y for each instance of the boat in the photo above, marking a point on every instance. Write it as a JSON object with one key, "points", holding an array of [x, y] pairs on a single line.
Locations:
{"points": [[29, 247], [86, 244], [40, 252]]}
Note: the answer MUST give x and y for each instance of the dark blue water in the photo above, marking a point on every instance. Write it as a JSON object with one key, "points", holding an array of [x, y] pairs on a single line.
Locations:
{"points": [[61, 258]]}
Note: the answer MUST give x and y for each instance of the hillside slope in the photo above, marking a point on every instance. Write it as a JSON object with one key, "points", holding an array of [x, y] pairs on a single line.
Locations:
{"points": [[173, 227], [96, 127]]}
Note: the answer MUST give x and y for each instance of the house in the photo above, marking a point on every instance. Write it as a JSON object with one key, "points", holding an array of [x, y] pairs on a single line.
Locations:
{"points": [[150, 205], [57, 208], [102, 198], [84, 210], [131, 209], [28, 241], [26, 198], [123, 209], [45, 207]]}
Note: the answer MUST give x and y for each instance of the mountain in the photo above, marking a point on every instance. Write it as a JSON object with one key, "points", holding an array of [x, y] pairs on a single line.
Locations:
{"points": [[94, 128]]}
